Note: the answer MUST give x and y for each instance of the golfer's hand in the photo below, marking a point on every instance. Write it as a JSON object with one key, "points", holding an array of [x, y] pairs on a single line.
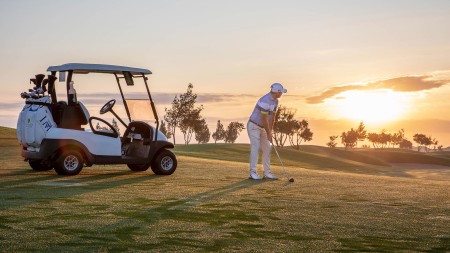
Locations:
{"points": [[269, 137]]}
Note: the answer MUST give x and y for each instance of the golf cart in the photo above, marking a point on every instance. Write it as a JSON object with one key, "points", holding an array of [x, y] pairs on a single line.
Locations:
{"points": [[51, 132]]}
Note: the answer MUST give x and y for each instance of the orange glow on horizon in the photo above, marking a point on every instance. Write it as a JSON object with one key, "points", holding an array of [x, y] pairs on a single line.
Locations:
{"points": [[375, 107]]}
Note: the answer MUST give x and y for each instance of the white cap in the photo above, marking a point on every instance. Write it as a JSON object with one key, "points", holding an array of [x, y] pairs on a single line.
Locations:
{"points": [[277, 87]]}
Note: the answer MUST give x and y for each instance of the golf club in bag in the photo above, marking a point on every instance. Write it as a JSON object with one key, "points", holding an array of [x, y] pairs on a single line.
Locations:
{"points": [[285, 172]]}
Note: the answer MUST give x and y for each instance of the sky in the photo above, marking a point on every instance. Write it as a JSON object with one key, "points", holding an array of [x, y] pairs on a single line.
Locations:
{"points": [[386, 63]]}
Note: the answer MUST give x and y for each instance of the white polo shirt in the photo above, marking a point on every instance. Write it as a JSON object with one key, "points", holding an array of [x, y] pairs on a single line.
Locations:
{"points": [[265, 105]]}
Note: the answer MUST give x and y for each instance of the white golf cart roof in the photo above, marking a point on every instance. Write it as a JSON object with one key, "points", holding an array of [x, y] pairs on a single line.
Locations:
{"points": [[84, 68]]}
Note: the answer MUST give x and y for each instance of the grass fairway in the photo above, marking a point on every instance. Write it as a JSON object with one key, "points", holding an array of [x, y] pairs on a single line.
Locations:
{"points": [[339, 202]]}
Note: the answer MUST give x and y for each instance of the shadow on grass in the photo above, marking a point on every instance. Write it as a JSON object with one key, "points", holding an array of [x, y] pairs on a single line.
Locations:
{"points": [[121, 235], [21, 182], [170, 209], [128, 228], [12, 197], [35, 177]]}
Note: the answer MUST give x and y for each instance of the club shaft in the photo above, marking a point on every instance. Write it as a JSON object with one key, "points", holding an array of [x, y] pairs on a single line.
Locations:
{"points": [[279, 158]]}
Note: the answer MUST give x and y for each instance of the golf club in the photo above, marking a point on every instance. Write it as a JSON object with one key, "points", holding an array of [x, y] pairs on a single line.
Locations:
{"points": [[285, 172]]}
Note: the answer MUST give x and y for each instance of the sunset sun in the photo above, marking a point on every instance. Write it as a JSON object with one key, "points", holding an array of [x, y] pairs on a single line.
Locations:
{"points": [[378, 106]]}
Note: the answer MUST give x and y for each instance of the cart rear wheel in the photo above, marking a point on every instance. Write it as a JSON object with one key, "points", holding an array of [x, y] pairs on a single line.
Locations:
{"points": [[69, 163], [165, 163], [138, 167], [40, 165]]}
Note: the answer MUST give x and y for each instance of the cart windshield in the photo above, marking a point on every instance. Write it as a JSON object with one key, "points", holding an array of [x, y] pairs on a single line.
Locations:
{"points": [[141, 110], [138, 101]]}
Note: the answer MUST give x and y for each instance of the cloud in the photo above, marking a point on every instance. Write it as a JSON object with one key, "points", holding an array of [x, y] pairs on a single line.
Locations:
{"points": [[399, 84], [165, 98], [159, 98], [6, 106]]}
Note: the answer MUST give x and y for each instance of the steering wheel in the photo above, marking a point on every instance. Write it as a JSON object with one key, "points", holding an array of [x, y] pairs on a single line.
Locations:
{"points": [[114, 132], [108, 106]]}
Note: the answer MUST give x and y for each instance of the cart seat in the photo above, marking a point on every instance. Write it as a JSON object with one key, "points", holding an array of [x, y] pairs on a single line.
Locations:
{"points": [[74, 116]]}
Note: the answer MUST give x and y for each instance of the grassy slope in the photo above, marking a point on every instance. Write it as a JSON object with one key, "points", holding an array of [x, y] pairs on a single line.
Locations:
{"points": [[395, 156], [240, 152], [316, 157], [7, 133]]}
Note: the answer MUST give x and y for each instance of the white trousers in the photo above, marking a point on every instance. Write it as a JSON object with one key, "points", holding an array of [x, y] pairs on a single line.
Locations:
{"points": [[258, 141]]}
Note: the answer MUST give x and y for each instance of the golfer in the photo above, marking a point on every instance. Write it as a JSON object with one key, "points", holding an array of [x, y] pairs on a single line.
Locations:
{"points": [[259, 128]]}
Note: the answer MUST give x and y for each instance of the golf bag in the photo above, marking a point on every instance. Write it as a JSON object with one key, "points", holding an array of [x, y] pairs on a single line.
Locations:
{"points": [[34, 122]]}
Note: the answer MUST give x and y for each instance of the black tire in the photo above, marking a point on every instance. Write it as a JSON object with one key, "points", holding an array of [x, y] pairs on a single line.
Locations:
{"points": [[138, 167], [39, 165], [69, 163], [165, 163]]}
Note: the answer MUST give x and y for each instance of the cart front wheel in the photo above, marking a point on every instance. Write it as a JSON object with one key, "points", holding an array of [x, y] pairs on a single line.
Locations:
{"points": [[165, 163]]}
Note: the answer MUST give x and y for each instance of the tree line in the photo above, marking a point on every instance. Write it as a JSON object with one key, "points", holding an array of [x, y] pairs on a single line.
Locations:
{"points": [[185, 116], [286, 127], [382, 139]]}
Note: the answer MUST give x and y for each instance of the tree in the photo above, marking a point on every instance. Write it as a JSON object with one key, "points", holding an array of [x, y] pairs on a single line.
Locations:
{"points": [[164, 129], [285, 125], [173, 117], [373, 137], [349, 138], [379, 140], [202, 134], [422, 139], [233, 131], [189, 123], [385, 138], [219, 134], [429, 141], [301, 132], [398, 137], [332, 143], [435, 143], [361, 132], [405, 144], [183, 114]]}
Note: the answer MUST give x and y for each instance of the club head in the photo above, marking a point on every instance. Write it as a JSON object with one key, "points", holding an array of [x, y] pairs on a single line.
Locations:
{"points": [[24, 95], [44, 84], [39, 79], [33, 94]]}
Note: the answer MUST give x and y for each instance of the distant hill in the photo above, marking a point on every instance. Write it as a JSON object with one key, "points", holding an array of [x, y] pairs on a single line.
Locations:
{"points": [[320, 158], [408, 156], [7, 133]]}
